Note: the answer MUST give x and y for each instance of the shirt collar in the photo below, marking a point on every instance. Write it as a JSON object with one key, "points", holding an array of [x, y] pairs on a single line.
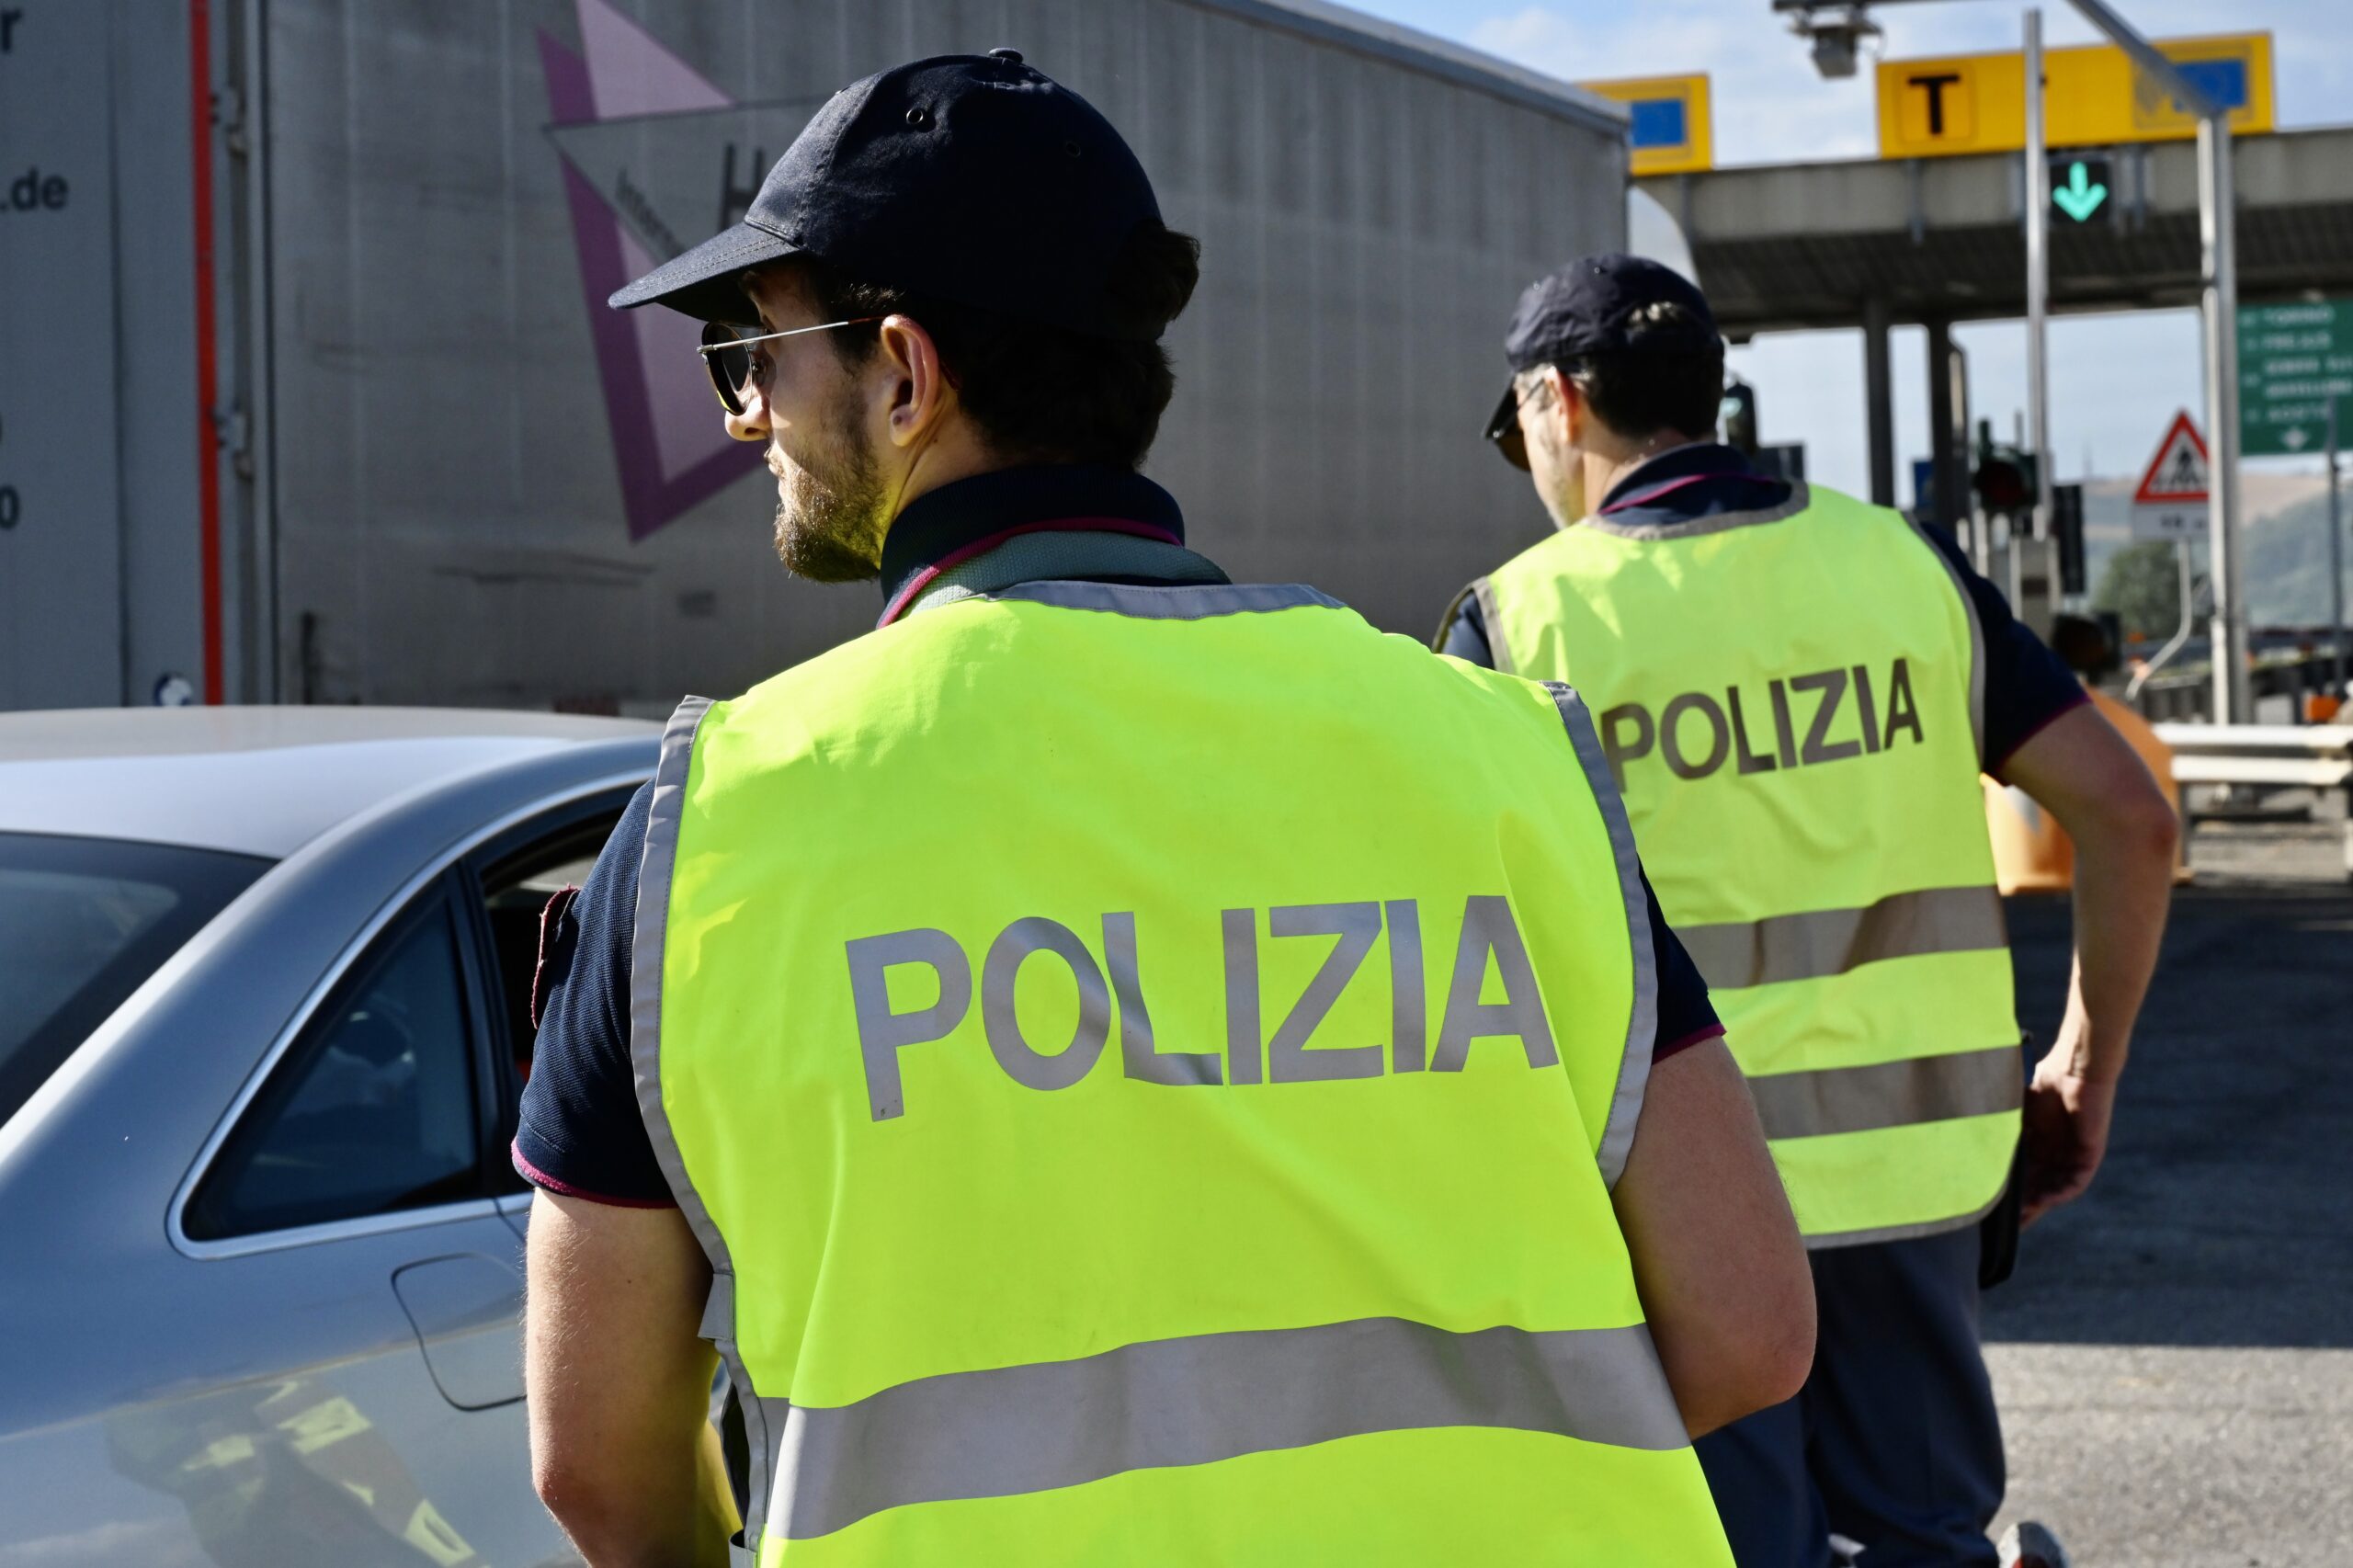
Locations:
{"points": [[1693, 460], [961, 520]]}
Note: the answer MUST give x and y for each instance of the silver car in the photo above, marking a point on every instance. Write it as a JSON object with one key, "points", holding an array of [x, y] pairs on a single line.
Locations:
{"points": [[265, 992]]}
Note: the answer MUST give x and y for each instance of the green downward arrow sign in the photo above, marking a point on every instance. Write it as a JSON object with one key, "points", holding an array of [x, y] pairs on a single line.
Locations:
{"points": [[2081, 196]]}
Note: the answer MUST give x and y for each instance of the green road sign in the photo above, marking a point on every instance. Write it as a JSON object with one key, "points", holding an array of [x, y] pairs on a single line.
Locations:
{"points": [[2292, 360], [2077, 186]]}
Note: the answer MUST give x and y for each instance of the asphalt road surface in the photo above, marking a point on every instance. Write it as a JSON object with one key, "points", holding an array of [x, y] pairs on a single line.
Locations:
{"points": [[2173, 1357]]}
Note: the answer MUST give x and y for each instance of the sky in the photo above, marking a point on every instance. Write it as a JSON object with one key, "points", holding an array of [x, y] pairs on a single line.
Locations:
{"points": [[2115, 381]]}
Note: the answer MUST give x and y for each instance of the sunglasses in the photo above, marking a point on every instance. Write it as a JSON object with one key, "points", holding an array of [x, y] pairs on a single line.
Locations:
{"points": [[1503, 424], [726, 353], [1503, 429]]}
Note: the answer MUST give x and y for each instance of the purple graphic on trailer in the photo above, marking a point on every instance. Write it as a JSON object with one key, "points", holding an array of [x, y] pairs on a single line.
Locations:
{"points": [[626, 107]]}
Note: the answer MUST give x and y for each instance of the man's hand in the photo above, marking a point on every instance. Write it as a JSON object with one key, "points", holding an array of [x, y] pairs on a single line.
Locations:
{"points": [[2082, 772], [2065, 1136]]}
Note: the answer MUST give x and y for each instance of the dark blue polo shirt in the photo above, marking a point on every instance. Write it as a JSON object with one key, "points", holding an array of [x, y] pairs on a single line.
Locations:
{"points": [[2025, 685], [581, 1131]]}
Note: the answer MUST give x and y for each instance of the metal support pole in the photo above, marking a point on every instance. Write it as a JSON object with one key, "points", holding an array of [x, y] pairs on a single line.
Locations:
{"points": [[2217, 221], [2038, 280], [1966, 437], [1944, 482], [2217, 225], [2187, 622], [1879, 398], [258, 657], [2336, 569]]}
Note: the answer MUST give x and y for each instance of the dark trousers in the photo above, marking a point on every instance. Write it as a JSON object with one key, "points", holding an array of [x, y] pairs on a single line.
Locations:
{"points": [[1893, 1443]]}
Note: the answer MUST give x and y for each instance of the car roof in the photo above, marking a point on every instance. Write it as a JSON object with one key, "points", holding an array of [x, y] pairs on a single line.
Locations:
{"points": [[255, 780]]}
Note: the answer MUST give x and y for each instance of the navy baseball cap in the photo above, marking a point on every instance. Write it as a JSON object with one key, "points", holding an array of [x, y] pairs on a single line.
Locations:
{"points": [[1585, 309], [973, 178]]}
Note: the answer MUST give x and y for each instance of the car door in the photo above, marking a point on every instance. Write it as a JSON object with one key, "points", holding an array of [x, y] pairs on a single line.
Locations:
{"points": [[465, 1300], [359, 1213], [353, 1207]]}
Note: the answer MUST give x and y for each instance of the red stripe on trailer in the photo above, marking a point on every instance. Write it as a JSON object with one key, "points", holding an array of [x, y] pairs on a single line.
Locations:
{"points": [[208, 437]]}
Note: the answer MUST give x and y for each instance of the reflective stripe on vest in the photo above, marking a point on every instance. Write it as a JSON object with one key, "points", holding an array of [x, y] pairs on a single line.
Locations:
{"points": [[1149, 1168], [1793, 701], [1823, 942], [1891, 1094], [1013, 1430]]}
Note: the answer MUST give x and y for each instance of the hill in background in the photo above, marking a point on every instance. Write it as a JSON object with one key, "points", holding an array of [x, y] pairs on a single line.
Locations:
{"points": [[2287, 541]]}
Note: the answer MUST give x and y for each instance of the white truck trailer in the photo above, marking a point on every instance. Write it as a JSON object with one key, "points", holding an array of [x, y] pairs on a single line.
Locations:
{"points": [[309, 393]]}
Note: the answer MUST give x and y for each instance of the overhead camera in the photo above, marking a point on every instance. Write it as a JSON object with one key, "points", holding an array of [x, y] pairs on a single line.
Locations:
{"points": [[1837, 33]]}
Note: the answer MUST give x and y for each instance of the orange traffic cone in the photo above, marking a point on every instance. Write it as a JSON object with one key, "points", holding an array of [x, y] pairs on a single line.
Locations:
{"points": [[2032, 852]]}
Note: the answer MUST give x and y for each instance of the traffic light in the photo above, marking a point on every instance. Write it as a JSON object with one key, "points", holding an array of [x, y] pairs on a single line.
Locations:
{"points": [[2080, 185], [2003, 477], [1738, 413], [2067, 524], [1785, 461]]}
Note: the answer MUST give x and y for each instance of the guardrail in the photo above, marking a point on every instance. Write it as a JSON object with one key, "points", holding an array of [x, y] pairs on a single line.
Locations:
{"points": [[2278, 756], [2188, 693], [2182, 698]]}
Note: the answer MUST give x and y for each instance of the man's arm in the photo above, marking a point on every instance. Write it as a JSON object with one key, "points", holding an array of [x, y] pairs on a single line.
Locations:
{"points": [[1723, 1274], [623, 1450], [1463, 632], [2081, 771], [2026, 686]]}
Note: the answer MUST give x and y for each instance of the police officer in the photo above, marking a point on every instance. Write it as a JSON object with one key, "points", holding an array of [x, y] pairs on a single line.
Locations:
{"points": [[1797, 693], [1104, 1078]]}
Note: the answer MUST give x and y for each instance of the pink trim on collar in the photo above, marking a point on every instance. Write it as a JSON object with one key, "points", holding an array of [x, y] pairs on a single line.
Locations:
{"points": [[1670, 486], [924, 579]]}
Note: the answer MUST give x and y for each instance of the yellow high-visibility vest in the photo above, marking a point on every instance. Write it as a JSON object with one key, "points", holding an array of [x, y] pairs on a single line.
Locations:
{"points": [[1148, 1065], [1791, 700]]}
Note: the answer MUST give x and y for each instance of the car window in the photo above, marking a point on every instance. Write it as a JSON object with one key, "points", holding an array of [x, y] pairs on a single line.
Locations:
{"points": [[375, 1108], [82, 922], [514, 896], [514, 890]]}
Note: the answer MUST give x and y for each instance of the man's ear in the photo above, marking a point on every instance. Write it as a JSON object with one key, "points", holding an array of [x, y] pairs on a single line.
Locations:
{"points": [[1574, 411], [919, 395]]}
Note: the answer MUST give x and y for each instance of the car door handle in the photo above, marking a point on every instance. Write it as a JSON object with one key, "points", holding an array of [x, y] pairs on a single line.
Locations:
{"points": [[467, 1311]]}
